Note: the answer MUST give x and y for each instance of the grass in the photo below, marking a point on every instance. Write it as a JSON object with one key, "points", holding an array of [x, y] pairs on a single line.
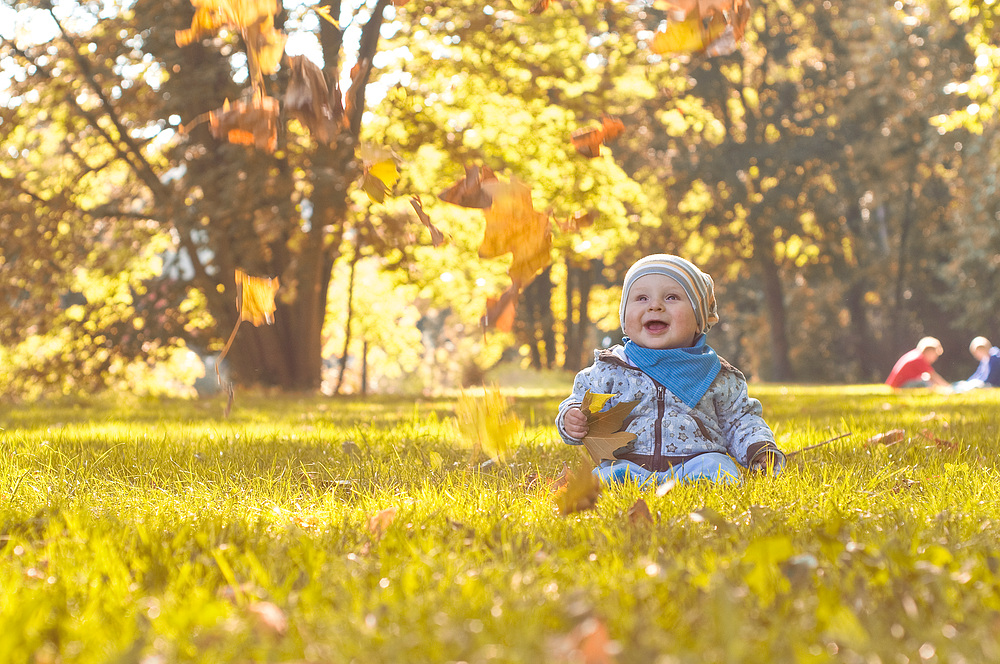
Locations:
{"points": [[158, 532]]}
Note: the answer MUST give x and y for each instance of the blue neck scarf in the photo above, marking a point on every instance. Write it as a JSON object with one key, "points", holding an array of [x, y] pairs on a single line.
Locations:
{"points": [[687, 372]]}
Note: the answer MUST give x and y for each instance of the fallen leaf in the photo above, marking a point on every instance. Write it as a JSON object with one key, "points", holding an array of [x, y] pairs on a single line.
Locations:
{"points": [[437, 237], [581, 491], [605, 436], [379, 522], [488, 423], [639, 513], [270, 618], [887, 437], [468, 192], [588, 643]]}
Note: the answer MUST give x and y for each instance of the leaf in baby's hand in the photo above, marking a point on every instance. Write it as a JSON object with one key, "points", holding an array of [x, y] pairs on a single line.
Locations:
{"points": [[594, 402], [580, 492], [605, 435]]}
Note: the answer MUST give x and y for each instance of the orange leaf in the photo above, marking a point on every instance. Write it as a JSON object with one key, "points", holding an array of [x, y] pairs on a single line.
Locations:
{"points": [[256, 303], [379, 522], [890, 437], [500, 312], [253, 122], [539, 6], [468, 192], [513, 225], [437, 237], [588, 141]]}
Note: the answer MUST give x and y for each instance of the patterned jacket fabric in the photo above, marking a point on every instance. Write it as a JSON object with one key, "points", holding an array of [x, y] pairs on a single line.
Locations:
{"points": [[726, 419]]}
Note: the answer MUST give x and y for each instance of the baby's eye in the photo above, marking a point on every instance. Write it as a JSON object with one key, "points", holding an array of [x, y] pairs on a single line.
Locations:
{"points": [[672, 297], [641, 298]]}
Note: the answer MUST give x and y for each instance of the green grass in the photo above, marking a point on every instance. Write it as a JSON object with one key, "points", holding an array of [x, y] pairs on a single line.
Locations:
{"points": [[156, 531]]}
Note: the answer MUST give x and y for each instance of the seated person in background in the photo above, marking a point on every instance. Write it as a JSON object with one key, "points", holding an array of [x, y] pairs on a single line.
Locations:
{"points": [[914, 369], [987, 374]]}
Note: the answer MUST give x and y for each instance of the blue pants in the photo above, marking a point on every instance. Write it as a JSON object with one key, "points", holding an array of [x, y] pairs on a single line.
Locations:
{"points": [[713, 466]]}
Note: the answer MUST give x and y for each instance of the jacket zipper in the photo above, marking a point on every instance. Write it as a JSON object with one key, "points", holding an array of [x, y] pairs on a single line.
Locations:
{"points": [[661, 406]]}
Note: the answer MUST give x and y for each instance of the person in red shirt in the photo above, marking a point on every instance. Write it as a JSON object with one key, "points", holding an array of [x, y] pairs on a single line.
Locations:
{"points": [[914, 368]]}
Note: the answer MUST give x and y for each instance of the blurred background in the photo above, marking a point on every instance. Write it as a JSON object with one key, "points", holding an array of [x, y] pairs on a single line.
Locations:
{"points": [[835, 173]]}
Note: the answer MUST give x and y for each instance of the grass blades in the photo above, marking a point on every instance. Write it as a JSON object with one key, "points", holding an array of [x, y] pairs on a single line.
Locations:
{"points": [[319, 530]]}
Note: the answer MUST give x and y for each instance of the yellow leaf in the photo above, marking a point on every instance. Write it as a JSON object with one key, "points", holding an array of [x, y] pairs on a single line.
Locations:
{"points": [[256, 304], [593, 402], [324, 12], [385, 171], [488, 423]]}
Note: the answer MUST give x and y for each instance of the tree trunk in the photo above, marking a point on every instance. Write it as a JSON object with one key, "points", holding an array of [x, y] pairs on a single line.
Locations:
{"points": [[774, 300], [578, 283]]}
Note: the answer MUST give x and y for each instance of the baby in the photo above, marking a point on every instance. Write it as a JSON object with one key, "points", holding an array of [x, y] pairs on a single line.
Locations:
{"points": [[694, 419]]}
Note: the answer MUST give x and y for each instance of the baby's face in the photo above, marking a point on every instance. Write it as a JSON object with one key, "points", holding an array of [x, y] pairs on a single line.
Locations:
{"points": [[659, 314]]}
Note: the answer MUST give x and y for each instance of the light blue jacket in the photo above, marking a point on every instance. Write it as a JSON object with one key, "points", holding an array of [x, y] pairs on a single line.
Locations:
{"points": [[726, 419]]}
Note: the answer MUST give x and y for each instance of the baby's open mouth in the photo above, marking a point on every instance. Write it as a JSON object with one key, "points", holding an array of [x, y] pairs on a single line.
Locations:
{"points": [[655, 326]]}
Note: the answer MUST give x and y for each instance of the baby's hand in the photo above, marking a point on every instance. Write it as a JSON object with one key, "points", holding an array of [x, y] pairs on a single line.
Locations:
{"points": [[766, 461], [575, 423]]}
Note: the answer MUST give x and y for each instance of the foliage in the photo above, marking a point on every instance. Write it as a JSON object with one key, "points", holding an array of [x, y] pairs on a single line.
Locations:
{"points": [[305, 529]]}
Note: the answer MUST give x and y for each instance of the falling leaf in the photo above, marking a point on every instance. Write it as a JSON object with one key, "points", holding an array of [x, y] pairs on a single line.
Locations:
{"points": [[588, 141], [539, 6], [580, 492], [713, 26], [501, 311], [488, 423], [468, 192], [256, 304], [604, 435], [379, 522], [437, 237], [380, 172], [252, 122], [308, 99], [639, 513], [324, 12], [513, 225], [577, 221]]}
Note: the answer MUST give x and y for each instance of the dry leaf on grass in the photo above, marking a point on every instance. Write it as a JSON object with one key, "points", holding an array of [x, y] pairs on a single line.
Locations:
{"points": [[379, 522]]}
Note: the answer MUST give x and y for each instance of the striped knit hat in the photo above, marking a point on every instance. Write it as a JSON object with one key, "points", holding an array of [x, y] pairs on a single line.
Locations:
{"points": [[698, 286]]}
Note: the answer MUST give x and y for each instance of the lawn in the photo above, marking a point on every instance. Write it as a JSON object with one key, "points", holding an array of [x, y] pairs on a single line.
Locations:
{"points": [[350, 530]]}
